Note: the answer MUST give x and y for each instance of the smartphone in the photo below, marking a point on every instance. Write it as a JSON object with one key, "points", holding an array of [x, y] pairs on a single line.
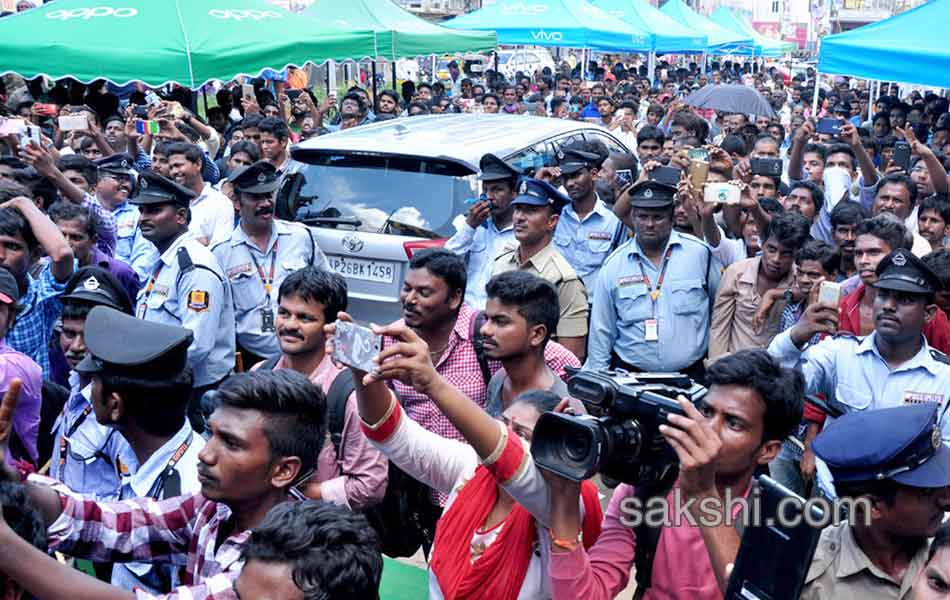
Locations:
{"points": [[721, 193], [829, 125], [46, 110], [902, 154], [147, 127], [356, 346], [829, 293], [294, 94], [176, 109], [698, 172], [73, 123], [774, 556], [12, 126], [32, 136], [667, 175], [247, 92], [698, 154], [624, 177], [140, 111], [152, 98], [771, 167]]}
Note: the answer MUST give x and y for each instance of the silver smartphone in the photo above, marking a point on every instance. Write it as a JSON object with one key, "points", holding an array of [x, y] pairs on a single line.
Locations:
{"points": [[356, 346]]}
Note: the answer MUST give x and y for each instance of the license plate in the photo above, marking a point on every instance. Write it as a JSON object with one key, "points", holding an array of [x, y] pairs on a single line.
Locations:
{"points": [[367, 270]]}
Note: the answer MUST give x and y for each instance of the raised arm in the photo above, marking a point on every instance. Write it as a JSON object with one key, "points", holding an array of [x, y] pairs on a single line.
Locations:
{"points": [[49, 237]]}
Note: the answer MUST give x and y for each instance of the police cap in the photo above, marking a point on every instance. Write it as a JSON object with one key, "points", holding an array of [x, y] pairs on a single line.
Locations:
{"points": [[902, 443], [258, 178], [155, 189], [534, 192], [495, 169], [159, 352], [120, 164], [98, 286], [571, 161], [903, 272], [652, 194]]}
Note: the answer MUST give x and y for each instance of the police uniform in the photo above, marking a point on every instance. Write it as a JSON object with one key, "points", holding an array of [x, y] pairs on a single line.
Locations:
{"points": [[482, 245], [550, 265], [130, 247], [649, 318], [255, 276], [907, 449], [160, 353], [586, 243], [186, 287], [852, 374], [85, 451]]}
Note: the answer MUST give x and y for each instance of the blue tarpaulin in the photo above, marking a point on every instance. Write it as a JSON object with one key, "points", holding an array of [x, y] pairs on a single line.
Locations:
{"points": [[569, 23], [668, 35], [764, 46], [720, 39], [908, 48]]}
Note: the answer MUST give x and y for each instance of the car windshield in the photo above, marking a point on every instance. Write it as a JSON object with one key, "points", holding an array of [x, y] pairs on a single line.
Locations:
{"points": [[504, 58], [385, 194]]}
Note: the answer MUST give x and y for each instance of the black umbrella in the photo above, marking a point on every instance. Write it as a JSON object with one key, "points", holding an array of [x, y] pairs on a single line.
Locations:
{"points": [[731, 98]]}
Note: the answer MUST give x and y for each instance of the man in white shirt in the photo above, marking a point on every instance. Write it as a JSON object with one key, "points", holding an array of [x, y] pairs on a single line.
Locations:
{"points": [[212, 213]]}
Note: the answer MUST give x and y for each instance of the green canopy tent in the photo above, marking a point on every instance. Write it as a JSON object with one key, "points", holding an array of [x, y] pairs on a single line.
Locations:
{"points": [[188, 42], [399, 33]]}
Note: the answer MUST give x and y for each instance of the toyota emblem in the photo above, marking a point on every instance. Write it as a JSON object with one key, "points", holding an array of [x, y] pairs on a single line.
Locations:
{"points": [[352, 243]]}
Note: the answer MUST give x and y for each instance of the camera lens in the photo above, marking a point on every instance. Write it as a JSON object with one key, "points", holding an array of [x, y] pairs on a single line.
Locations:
{"points": [[577, 448]]}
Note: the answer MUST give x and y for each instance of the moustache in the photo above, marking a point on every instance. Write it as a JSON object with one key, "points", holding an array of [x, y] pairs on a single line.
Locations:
{"points": [[290, 333], [267, 210]]}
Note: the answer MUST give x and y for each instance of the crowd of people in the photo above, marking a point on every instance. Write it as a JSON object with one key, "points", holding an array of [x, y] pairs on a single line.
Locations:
{"points": [[173, 416]]}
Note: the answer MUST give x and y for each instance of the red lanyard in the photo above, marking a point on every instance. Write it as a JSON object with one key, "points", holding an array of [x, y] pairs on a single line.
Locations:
{"points": [[151, 284], [655, 294], [268, 281]]}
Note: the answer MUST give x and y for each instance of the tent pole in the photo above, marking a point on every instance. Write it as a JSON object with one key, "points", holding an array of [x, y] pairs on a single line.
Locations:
{"points": [[814, 100], [651, 67], [395, 80], [375, 104], [584, 64]]}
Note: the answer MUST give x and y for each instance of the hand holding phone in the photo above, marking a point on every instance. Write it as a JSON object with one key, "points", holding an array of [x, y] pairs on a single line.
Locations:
{"points": [[902, 155], [829, 293], [722, 193], [356, 346], [73, 123]]}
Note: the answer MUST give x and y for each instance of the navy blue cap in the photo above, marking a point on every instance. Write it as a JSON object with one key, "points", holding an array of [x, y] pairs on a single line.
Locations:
{"points": [[535, 192], [97, 286], [652, 194], [571, 160], [160, 351], [903, 272], [258, 178], [155, 189], [943, 122], [495, 169], [120, 163], [902, 443]]}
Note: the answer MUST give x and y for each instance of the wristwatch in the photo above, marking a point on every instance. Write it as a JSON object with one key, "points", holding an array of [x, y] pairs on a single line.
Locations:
{"points": [[565, 545]]}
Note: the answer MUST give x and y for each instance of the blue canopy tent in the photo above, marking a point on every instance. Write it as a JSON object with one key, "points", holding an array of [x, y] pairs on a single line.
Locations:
{"points": [[668, 35], [763, 46], [907, 48], [566, 23], [720, 39]]}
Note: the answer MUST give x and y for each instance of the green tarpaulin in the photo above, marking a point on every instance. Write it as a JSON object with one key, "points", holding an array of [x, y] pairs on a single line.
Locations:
{"points": [[188, 42], [399, 33]]}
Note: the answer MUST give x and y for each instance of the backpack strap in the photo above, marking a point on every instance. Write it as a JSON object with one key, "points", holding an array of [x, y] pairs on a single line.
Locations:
{"points": [[339, 392], [478, 344]]}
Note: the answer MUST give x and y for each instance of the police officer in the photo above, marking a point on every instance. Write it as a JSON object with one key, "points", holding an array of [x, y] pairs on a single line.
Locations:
{"points": [[85, 451], [588, 231], [260, 253], [899, 483], [142, 389], [185, 285], [892, 366], [487, 232], [120, 177], [537, 208], [653, 296]]}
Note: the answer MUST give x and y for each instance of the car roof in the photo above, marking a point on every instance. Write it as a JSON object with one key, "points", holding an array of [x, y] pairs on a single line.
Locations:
{"points": [[460, 136]]}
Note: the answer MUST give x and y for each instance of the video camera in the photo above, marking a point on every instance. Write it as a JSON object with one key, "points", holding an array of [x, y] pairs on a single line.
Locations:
{"points": [[619, 437]]}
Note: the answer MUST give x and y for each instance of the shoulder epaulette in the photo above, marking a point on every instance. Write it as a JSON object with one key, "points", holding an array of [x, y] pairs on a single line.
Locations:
{"points": [[939, 356]]}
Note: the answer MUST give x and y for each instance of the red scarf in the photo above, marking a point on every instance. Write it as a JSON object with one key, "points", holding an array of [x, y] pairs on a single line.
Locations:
{"points": [[499, 572]]}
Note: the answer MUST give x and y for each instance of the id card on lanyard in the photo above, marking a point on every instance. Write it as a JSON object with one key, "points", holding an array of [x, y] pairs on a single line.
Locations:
{"points": [[652, 325], [143, 307], [267, 313]]}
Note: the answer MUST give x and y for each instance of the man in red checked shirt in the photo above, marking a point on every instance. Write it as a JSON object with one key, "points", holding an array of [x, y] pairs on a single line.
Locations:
{"points": [[266, 433]]}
